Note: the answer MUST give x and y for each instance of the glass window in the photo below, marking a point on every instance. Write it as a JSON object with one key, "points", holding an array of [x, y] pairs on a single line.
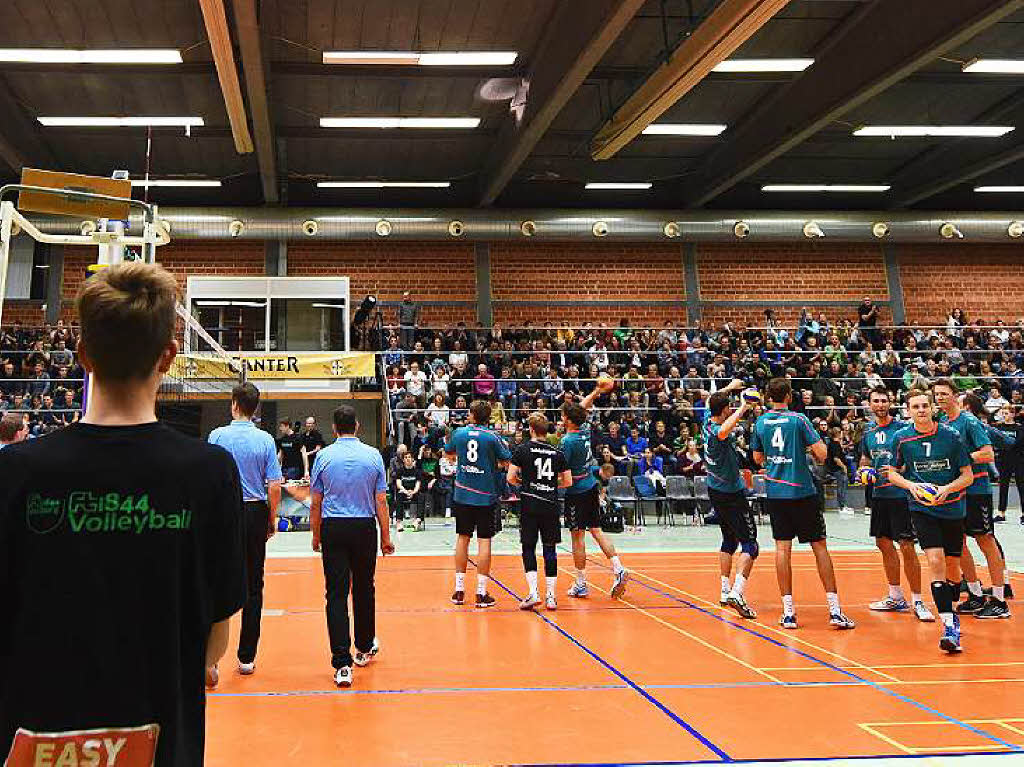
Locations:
{"points": [[237, 325], [307, 324]]}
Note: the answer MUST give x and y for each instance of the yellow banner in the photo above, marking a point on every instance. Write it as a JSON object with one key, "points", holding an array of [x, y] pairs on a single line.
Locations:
{"points": [[298, 365]]}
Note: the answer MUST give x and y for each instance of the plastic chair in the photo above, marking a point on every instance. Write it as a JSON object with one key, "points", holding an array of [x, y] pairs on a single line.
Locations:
{"points": [[647, 491], [702, 500], [620, 490], [760, 497], [678, 491]]}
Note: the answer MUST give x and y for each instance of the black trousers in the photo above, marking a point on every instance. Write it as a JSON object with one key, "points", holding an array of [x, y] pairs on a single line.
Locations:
{"points": [[349, 548], [257, 519], [1010, 470]]}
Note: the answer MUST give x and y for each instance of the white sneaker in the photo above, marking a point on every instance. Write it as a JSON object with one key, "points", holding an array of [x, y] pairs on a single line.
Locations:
{"points": [[723, 598], [846, 511], [889, 605], [246, 669], [923, 613], [363, 658], [343, 676], [578, 590], [447, 513], [619, 583], [531, 601], [551, 603]]}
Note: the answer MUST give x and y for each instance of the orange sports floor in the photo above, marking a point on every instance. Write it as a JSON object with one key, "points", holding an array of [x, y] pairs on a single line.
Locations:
{"points": [[663, 675]]}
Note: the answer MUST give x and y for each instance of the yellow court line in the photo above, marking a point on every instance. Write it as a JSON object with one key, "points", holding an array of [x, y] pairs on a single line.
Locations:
{"points": [[786, 633], [1010, 728], [951, 681], [928, 749], [906, 665], [697, 639], [892, 742], [937, 722]]}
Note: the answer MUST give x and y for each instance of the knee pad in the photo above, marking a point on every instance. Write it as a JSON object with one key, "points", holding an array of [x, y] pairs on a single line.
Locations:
{"points": [[750, 548], [729, 545]]}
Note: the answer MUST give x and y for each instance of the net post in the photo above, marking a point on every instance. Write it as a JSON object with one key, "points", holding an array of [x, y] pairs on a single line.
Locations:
{"points": [[6, 224]]}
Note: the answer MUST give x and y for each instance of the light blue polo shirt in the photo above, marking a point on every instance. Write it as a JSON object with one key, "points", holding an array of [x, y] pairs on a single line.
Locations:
{"points": [[348, 474], [255, 453]]}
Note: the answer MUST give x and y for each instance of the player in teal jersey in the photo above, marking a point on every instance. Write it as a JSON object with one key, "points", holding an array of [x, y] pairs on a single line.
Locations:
{"points": [[929, 453], [979, 524], [480, 455], [890, 512], [582, 504], [780, 442], [728, 498]]}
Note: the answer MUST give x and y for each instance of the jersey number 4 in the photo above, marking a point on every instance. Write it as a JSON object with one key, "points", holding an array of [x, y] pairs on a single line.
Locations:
{"points": [[544, 470], [778, 442], [472, 451]]}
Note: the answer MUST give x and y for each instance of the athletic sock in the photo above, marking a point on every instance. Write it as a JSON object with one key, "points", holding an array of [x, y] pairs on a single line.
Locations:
{"points": [[739, 584], [833, 602], [531, 581], [726, 586], [975, 588], [581, 576], [1006, 575], [617, 565], [896, 593], [915, 598], [999, 592], [460, 581], [551, 583], [788, 608], [481, 585]]}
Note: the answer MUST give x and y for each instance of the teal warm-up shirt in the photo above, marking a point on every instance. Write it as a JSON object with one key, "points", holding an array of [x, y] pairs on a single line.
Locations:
{"points": [[878, 444], [478, 451], [575, 446], [975, 437], [720, 456], [784, 436], [935, 457]]}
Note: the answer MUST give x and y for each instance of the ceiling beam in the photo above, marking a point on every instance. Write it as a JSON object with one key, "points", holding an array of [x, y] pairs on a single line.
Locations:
{"points": [[901, 38], [216, 20], [576, 37], [247, 26], [730, 24], [962, 174], [20, 142]]}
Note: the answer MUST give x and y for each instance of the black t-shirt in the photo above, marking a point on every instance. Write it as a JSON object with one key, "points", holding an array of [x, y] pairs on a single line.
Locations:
{"points": [[540, 464], [312, 441], [408, 477], [862, 314], [291, 451], [119, 548]]}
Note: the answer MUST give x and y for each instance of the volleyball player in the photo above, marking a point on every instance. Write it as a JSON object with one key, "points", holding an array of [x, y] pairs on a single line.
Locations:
{"points": [[121, 554], [890, 512], [780, 442], [540, 469], [978, 524], [582, 498], [927, 452], [479, 454], [728, 499]]}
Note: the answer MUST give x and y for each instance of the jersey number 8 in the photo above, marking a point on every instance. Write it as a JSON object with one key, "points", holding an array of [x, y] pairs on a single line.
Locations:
{"points": [[472, 451]]}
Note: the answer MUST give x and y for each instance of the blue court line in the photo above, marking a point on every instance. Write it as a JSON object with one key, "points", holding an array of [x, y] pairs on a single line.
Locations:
{"points": [[826, 664], [784, 760], [650, 698]]}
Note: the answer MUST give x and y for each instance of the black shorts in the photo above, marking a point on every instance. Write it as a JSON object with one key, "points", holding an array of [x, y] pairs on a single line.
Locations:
{"points": [[539, 518], [979, 516], [890, 518], [734, 516], [801, 518], [939, 533], [478, 519], [583, 510]]}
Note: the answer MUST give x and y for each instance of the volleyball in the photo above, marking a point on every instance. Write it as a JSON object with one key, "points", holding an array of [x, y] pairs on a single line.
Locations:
{"points": [[751, 396], [605, 383], [866, 475], [930, 493]]}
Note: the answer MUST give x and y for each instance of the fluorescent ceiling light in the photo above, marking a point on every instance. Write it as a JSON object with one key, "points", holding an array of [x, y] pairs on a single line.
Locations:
{"points": [[252, 304], [615, 185], [75, 56], [763, 65], [399, 122], [328, 306], [119, 122], [683, 129], [825, 188], [1000, 189], [174, 182], [995, 66], [436, 58], [893, 131], [383, 184]]}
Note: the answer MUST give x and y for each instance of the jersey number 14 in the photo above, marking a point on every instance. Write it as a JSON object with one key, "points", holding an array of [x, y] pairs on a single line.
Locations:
{"points": [[544, 470]]}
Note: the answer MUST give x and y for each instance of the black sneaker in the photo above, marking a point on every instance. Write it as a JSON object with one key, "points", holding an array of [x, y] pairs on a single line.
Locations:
{"points": [[483, 601], [788, 621], [739, 604], [459, 597], [1008, 591], [963, 586], [994, 608], [970, 606], [999, 518]]}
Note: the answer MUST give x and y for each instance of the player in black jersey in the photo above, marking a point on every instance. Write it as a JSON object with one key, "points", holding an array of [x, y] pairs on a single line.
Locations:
{"points": [[540, 469]]}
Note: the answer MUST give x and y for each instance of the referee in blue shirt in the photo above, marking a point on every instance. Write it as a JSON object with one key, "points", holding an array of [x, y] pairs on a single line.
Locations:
{"points": [[348, 490], [255, 453]]}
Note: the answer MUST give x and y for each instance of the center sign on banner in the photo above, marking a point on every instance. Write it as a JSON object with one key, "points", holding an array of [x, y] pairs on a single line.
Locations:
{"points": [[298, 365]]}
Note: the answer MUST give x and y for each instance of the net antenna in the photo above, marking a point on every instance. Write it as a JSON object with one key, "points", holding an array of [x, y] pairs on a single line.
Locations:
{"points": [[103, 204]]}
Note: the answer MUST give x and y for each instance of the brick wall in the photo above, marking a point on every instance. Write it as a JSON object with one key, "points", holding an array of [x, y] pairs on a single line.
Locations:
{"points": [[986, 281], [29, 313], [574, 272], [443, 272]]}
